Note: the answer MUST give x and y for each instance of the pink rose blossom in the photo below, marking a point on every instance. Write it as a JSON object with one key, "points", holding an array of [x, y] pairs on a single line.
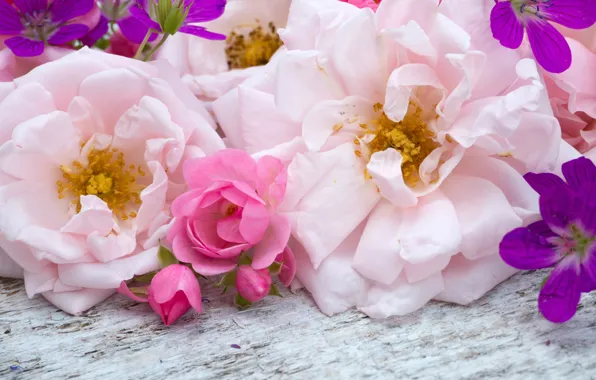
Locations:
{"points": [[172, 292], [230, 208], [120, 45], [12, 66], [573, 92], [203, 64], [92, 152], [253, 285], [407, 132]]}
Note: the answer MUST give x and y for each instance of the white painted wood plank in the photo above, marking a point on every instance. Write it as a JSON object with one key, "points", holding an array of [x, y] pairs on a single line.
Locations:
{"points": [[499, 336]]}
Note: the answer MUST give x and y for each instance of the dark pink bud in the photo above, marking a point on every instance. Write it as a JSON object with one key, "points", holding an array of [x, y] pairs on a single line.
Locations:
{"points": [[252, 284]]}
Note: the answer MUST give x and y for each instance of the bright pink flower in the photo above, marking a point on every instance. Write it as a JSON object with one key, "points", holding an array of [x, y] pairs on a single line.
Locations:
{"points": [[230, 208], [172, 292], [252, 284], [288, 269], [120, 45], [372, 4], [92, 154], [352, 104]]}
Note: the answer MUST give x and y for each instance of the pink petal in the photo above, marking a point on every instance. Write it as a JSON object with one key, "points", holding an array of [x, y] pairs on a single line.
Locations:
{"points": [[254, 223], [227, 165], [229, 229], [78, 301], [272, 179], [385, 169], [94, 217], [273, 243], [172, 279], [124, 290], [288, 269], [377, 256]]}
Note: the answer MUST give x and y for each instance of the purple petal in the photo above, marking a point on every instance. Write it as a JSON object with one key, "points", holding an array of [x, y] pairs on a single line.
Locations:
{"points": [[66, 10], [134, 30], [68, 33], [24, 47], [204, 10], [579, 171], [10, 21], [588, 270], [542, 183], [142, 16], [548, 45], [507, 28], [96, 33], [560, 295], [527, 247], [199, 31], [30, 6], [559, 207], [575, 14]]}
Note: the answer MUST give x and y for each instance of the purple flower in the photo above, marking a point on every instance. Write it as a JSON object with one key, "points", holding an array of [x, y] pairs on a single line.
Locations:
{"points": [[509, 18], [34, 23], [198, 11], [565, 238], [117, 12]]}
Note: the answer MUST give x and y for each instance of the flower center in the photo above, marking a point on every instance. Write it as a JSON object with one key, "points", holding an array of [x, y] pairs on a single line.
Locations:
{"points": [[106, 176], [531, 7], [254, 49], [38, 25], [410, 137], [576, 242]]}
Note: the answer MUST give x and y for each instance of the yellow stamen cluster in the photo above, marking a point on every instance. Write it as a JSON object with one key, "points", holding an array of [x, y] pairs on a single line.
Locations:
{"points": [[410, 137], [254, 49], [107, 176]]}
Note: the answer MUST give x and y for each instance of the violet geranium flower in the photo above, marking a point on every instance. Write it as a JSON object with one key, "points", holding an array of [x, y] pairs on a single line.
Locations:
{"points": [[35, 23], [147, 11], [509, 18], [565, 238]]}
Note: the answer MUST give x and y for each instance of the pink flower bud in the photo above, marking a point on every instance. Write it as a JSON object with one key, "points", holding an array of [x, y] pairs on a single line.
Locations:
{"points": [[172, 292], [252, 284]]}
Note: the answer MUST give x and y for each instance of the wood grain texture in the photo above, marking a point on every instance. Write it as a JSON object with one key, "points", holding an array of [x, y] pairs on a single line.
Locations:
{"points": [[498, 337]]}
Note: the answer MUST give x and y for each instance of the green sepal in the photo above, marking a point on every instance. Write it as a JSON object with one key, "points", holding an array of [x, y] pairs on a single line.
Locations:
{"points": [[275, 268], [144, 278], [166, 257], [139, 291], [544, 280], [102, 43], [229, 279], [244, 259], [274, 292], [241, 302]]}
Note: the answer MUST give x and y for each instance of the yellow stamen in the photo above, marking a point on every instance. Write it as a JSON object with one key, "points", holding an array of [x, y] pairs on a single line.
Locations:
{"points": [[410, 137], [254, 49], [107, 176]]}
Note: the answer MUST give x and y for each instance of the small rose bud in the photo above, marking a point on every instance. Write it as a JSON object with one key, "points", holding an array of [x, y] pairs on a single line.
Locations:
{"points": [[252, 284]]}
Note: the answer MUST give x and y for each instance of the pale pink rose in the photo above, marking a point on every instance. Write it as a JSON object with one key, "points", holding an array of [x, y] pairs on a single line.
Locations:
{"points": [[573, 92], [253, 285], [230, 208], [171, 293], [92, 153], [381, 221], [203, 64], [12, 66]]}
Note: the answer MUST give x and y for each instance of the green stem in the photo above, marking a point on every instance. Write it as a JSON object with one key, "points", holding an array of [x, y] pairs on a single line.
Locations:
{"points": [[156, 47], [143, 44]]}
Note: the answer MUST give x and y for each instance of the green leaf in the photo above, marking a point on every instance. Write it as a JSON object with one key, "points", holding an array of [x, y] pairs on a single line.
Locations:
{"points": [[241, 302], [275, 268], [229, 279], [166, 257], [139, 291], [244, 259], [274, 292], [102, 43]]}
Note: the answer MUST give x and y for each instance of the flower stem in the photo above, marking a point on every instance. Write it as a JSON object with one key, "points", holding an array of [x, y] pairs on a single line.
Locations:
{"points": [[156, 47], [143, 44]]}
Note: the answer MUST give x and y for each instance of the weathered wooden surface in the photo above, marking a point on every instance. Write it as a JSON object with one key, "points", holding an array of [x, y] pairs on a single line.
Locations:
{"points": [[499, 336]]}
